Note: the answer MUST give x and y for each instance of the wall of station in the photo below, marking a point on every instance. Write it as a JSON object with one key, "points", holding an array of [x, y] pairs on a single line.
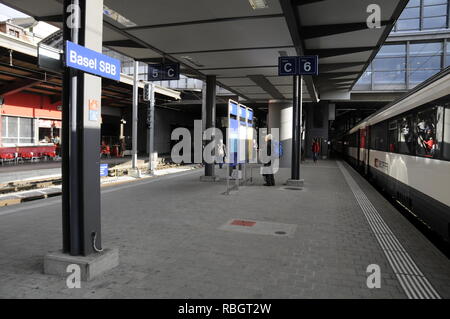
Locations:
{"points": [[31, 105], [317, 117], [29, 120], [166, 120]]}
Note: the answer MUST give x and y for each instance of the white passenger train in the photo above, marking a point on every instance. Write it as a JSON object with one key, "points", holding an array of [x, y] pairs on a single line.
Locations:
{"points": [[405, 149]]}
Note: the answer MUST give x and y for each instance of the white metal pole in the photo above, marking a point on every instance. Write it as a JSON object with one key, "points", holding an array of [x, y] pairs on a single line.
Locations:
{"points": [[135, 116], [151, 125]]}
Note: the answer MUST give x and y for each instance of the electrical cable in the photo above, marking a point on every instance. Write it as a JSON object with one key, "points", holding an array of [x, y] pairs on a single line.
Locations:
{"points": [[94, 239]]}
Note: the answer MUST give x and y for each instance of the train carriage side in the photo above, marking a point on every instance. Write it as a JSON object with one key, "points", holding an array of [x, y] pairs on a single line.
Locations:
{"points": [[409, 153], [356, 150]]}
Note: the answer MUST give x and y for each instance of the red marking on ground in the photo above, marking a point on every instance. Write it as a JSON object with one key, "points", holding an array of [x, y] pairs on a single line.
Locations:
{"points": [[245, 223]]}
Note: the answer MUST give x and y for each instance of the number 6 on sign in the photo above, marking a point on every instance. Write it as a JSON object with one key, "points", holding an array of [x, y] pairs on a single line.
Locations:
{"points": [[308, 65]]}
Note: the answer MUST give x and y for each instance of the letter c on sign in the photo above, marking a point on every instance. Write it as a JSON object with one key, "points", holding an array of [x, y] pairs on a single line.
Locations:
{"points": [[288, 67], [170, 72]]}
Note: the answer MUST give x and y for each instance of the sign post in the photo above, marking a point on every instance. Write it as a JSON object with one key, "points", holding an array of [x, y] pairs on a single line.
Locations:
{"points": [[149, 96], [297, 67], [134, 122]]}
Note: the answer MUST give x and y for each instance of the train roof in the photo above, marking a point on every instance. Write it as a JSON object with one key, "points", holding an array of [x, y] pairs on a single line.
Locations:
{"points": [[433, 88]]}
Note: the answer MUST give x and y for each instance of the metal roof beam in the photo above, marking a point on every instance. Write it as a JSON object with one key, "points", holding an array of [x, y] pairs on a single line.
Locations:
{"points": [[317, 31], [266, 85], [303, 2], [294, 26], [218, 20], [326, 53], [52, 18], [124, 43], [17, 86]]}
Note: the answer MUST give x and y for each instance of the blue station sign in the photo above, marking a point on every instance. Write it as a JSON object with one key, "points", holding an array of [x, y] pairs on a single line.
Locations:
{"points": [[90, 61], [103, 170]]}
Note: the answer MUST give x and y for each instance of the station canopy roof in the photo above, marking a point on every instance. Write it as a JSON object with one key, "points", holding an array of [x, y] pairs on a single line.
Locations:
{"points": [[241, 45]]}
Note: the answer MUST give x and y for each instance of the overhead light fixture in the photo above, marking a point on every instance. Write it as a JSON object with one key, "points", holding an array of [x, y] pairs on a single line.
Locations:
{"points": [[118, 17], [258, 4]]}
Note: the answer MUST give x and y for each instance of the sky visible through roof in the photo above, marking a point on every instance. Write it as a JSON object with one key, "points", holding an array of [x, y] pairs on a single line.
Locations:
{"points": [[42, 29]]}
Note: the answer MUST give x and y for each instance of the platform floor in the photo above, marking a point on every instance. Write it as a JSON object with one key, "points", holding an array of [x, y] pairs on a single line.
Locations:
{"points": [[176, 241]]}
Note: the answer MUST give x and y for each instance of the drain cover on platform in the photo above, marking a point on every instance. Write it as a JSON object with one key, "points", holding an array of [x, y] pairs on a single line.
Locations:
{"points": [[260, 228]]}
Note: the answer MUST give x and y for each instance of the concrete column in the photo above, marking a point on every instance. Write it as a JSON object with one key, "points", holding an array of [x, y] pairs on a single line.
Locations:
{"points": [[209, 108], [280, 116]]}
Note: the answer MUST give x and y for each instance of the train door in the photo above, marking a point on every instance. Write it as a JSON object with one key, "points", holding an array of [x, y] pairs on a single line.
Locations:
{"points": [[367, 162], [362, 148], [357, 148]]}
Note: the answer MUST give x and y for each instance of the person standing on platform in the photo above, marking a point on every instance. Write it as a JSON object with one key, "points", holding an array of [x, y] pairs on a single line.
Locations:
{"points": [[221, 152], [315, 150], [269, 178]]}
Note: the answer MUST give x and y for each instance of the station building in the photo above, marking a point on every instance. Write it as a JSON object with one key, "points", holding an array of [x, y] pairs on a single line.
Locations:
{"points": [[417, 48], [31, 107]]}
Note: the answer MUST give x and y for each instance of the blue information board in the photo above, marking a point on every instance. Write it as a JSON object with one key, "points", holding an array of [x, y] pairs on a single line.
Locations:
{"points": [[90, 61], [103, 170], [233, 132], [240, 133]]}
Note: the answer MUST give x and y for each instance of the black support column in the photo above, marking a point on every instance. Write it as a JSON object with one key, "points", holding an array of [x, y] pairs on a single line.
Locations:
{"points": [[296, 129], [81, 135], [210, 116]]}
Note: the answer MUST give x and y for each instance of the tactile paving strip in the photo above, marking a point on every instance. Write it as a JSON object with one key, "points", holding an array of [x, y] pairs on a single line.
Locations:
{"points": [[412, 280]]}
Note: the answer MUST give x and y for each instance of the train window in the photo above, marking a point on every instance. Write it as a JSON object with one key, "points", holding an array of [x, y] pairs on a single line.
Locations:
{"points": [[427, 143], [378, 137], [446, 148], [393, 137], [406, 135], [354, 140]]}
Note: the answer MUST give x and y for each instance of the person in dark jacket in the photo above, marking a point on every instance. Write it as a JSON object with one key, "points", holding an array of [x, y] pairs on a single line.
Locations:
{"points": [[269, 178]]}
